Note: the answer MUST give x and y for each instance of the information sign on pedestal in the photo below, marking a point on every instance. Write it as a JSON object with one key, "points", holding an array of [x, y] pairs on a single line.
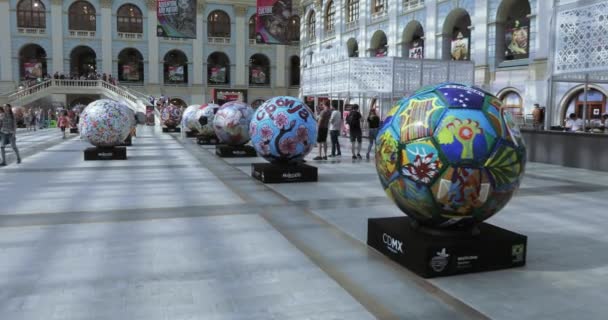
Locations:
{"points": [[105, 153], [172, 129], [227, 151], [207, 140], [277, 173]]}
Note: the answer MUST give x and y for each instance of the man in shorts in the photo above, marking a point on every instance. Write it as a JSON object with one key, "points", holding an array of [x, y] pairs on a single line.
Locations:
{"points": [[356, 134], [323, 128]]}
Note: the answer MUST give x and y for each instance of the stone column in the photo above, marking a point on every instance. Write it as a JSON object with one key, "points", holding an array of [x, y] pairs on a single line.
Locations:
{"points": [[106, 36], [242, 39], [198, 94], [393, 36], [430, 31], [479, 37], [57, 37], [153, 59], [5, 45], [281, 68]]}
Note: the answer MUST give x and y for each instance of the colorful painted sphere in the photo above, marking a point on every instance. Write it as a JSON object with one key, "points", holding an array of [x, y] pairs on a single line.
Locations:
{"points": [[231, 123], [450, 155], [188, 117], [130, 112], [105, 123], [204, 117], [283, 129], [171, 116]]}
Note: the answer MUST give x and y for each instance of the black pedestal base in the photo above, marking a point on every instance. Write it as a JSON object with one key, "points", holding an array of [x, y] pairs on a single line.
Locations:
{"points": [[172, 129], [432, 256], [282, 173], [191, 134], [207, 140], [127, 143], [107, 153], [73, 130], [226, 151]]}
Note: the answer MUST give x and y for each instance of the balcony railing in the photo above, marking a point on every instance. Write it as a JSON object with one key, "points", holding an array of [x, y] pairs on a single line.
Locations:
{"points": [[31, 31], [130, 36], [352, 25], [218, 40], [82, 34], [377, 16], [412, 4]]}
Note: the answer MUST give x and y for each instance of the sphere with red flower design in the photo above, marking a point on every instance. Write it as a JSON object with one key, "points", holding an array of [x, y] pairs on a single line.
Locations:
{"points": [[450, 155], [283, 129], [231, 123]]}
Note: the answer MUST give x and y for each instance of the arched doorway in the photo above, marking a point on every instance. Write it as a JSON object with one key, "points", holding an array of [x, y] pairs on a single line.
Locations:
{"points": [[175, 67], [512, 30], [294, 71], [575, 101], [218, 68], [353, 48], [413, 40], [32, 62], [130, 66], [178, 102], [83, 61], [457, 36], [378, 45], [512, 101], [259, 70]]}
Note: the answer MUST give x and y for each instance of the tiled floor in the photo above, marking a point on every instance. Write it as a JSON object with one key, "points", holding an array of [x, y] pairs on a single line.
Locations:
{"points": [[177, 233]]}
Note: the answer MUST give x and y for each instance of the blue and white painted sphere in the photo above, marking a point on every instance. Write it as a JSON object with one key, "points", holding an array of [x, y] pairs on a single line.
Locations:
{"points": [[105, 123], [189, 119], [204, 117], [231, 123], [283, 129], [171, 116]]}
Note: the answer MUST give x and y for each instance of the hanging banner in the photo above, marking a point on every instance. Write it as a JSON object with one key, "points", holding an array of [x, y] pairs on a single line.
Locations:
{"points": [[130, 72], [417, 50], [176, 73], [221, 96], [460, 48], [272, 21], [32, 70], [258, 76], [176, 18], [516, 39], [217, 74], [149, 115]]}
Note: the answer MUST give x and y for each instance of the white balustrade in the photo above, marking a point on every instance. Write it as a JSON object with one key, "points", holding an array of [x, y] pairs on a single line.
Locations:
{"points": [[218, 40], [351, 25], [412, 4], [130, 36], [31, 31], [377, 16], [82, 34]]}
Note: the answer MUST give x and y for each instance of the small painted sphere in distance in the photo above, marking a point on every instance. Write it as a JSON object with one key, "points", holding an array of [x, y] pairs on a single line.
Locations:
{"points": [[450, 155], [204, 117], [171, 116], [231, 123], [189, 120], [283, 130], [105, 123]]}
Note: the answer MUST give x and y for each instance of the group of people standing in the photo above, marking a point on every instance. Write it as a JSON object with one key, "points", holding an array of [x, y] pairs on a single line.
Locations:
{"points": [[330, 121]]}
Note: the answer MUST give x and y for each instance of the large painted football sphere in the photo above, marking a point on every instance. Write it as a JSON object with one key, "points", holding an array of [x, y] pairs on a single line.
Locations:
{"points": [[450, 156], [105, 123], [130, 112], [188, 117], [171, 116], [283, 129], [231, 123], [204, 117]]}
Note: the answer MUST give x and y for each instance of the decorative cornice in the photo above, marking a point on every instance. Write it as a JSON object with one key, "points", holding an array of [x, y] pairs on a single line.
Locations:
{"points": [[106, 3]]}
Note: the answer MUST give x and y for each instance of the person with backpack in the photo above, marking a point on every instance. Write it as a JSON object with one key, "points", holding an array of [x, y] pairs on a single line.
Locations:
{"points": [[356, 134], [373, 122]]}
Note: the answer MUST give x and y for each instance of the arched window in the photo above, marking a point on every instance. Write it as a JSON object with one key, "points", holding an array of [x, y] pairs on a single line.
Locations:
{"points": [[129, 19], [457, 36], [32, 62], [379, 6], [130, 66], [83, 61], [252, 27], [311, 26], [293, 29], [294, 71], [513, 102], [352, 11], [218, 68], [353, 48], [330, 17], [259, 70], [413, 41], [31, 14], [379, 44], [176, 67], [513, 30], [81, 16], [218, 24]]}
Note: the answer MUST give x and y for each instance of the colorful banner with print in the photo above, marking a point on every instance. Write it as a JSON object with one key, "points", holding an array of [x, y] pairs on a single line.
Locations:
{"points": [[221, 96], [130, 72], [417, 50], [460, 49], [32, 70], [258, 76], [516, 40], [217, 74], [272, 21], [176, 18], [176, 73]]}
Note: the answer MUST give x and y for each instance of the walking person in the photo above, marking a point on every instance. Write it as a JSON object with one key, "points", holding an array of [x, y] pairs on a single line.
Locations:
{"points": [[356, 134], [8, 130], [323, 120], [373, 122], [63, 122], [335, 123]]}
